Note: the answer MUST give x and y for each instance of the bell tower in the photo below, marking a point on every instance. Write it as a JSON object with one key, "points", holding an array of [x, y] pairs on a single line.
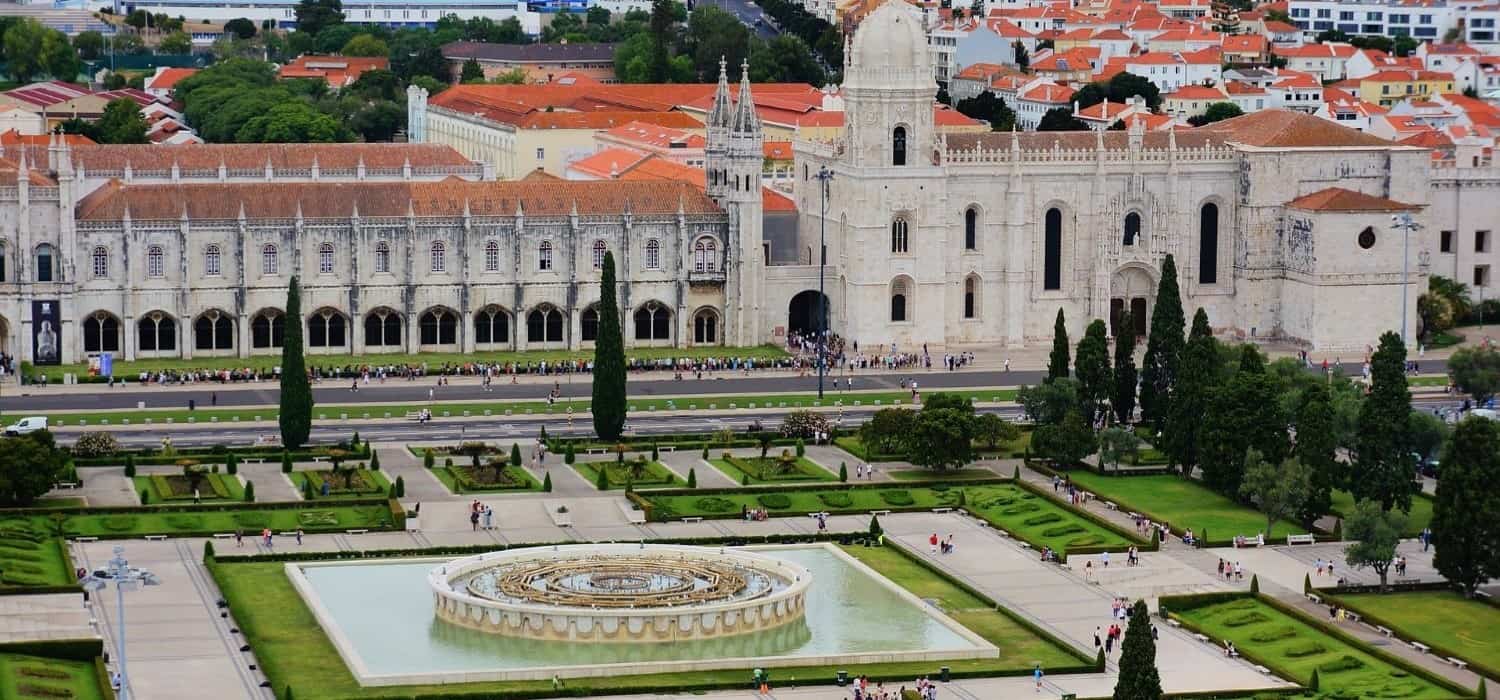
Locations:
{"points": [[889, 90], [733, 159]]}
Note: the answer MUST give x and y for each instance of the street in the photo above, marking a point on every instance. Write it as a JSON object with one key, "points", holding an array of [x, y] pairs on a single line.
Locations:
{"points": [[748, 13]]}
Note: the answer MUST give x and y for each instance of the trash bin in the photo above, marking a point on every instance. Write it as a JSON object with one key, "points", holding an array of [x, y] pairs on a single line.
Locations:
{"points": [[943, 674], [843, 679], [192, 404]]}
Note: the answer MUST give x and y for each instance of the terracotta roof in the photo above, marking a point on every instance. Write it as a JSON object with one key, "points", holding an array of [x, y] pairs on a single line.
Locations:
{"points": [[1428, 139], [208, 156], [272, 200], [168, 78], [644, 97], [606, 120], [1280, 128], [339, 71], [1196, 92], [1244, 43], [12, 137], [1235, 87], [657, 136], [1405, 76], [1315, 51], [1279, 27], [1340, 199], [777, 150], [1051, 94], [608, 162], [46, 94]]}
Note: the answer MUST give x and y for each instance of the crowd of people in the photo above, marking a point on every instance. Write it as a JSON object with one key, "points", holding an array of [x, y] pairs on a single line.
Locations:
{"points": [[859, 689]]}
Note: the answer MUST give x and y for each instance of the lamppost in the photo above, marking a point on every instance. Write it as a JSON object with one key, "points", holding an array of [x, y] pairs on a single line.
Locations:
{"points": [[125, 577], [824, 176], [1407, 225]]}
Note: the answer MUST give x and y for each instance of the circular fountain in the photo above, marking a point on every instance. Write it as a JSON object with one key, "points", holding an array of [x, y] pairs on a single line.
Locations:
{"points": [[620, 592]]}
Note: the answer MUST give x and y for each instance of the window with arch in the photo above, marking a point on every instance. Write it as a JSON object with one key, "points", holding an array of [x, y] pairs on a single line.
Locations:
{"points": [[899, 294], [46, 259], [1052, 249], [599, 250], [156, 332], [971, 228], [382, 257], [1208, 244], [653, 321], [327, 328], [899, 237], [705, 255], [971, 297], [101, 262], [653, 254], [588, 323], [382, 328], [213, 331], [101, 333], [491, 256], [491, 325], [706, 327], [544, 325], [268, 259], [439, 256], [155, 261], [437, 327], [544, 256], [1132, 228], [212, 261], [898, 146], [267, 329], [325, 258]]}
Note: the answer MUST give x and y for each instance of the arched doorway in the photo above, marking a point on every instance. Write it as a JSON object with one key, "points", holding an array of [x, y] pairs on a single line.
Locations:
{"points": [[1131, 289], [802, 313]]}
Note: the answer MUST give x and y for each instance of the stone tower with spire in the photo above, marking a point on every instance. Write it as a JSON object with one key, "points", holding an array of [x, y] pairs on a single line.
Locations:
{"points": [[733, 159]]}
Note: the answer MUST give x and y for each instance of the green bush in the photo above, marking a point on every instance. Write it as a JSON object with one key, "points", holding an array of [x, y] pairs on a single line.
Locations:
{"points": [[714, 504], [836, 499], [286, 462], [692, 479], [898, 498], [318, 518], [1020, 508], [568, 454], [232, 465], [400, 487], [547, 483], [375, 462], [1043, 519], [130, 466], [96, 444], [1305, 648], [1344, 663], [1273, 635], [774, 501], [843, 472], [252, 520], [118, 523], [801, 448], [1061, 530], [428, 460], [145, 497], [184, 521], [1245, 618]]}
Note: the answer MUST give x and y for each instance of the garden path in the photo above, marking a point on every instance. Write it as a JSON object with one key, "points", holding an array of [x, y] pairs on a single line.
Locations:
{"points": [[103, 487], [681, 461], [420, 485]]}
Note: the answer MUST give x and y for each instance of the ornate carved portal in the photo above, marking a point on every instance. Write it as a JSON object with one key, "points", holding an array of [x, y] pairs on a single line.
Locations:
{"points": [[1131, 288]]}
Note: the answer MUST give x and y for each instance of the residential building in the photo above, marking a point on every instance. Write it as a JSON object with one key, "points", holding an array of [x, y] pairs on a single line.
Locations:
{"points": [[540, 63]]}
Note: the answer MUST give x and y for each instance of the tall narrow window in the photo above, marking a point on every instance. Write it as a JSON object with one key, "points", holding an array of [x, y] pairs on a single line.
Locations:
{"points": [[898, 146], [101, 262], [1132, 228], [382, 257], [268, 259], [599, 249], [653, 254], [544, 256], [971, 297], [898, 235], [1208, 244], [588, 324], [155, 262], [325, 258], [1052, 250], [44, 262], [491, 256], [212, 265], [971, 228], [439, 256], [898, 301]]}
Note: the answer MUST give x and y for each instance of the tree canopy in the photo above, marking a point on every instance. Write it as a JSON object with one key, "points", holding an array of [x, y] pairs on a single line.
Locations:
{"points": [[1466, 509]]}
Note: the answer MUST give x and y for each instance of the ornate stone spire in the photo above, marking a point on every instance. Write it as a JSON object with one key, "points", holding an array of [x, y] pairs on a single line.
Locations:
{"points": [[745, 119], [721, 113]]}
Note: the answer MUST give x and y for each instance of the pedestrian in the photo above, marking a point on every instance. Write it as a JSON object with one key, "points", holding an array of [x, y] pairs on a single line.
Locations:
{"points": [[474, 520], [1109, 642], [1319, 564], [933, 542], [239, 538], [299, 537], [1426, 538], [1097, 642], [1105, 558], [1037, 674]]}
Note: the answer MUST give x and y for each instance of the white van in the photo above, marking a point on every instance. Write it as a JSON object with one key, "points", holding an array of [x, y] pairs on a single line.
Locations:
{"points": [[26, 425]]}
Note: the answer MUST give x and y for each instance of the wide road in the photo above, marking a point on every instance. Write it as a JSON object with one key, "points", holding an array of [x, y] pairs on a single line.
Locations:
{"points": [[747, 12]]}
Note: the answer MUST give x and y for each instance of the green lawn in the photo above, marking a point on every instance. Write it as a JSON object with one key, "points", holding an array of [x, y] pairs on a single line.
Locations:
{"points": [[1040, 521], [210, 520], [1428, 380], [656, 475], [945, 475], [1013, 449], [804, 470], [1183, 504], [293, 650], [30, 555], [174, 489], [39, 678], [367, 483], [1417, 519], [1445, 620], [1294, 649], [455, 479], [810, 500]]}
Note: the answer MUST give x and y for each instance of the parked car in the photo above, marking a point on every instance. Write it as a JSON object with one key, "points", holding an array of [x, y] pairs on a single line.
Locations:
{"points": [[26, 425]]}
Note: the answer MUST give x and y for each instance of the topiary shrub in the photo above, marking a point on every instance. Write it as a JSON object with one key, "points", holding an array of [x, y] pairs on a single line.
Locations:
{"points": [[1061, 530], [208, 551], [374, 461], [692, 479], [1343, 663], [1273, 635], [744, 480], [547, 482], [145, 497], [801, 448], [898, 498], [714, 504], [249, 492], [654, 456], [286, 462], [400, 487], [843, 472], [875, 529], [232, 464], [130, 466], [1304, 648], [601, 479], [428, 460], [705, 452], [1246, 618], [836, 499], [774, 501], [1043, 519], [569, 456]]}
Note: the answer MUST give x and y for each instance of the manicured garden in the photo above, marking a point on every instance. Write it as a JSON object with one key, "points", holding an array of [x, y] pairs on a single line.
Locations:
{"points": [[772, 469], [1183, 504], [1042, 522], [466, 478], [181, 489], [30, 555], [206, 519], [637, 474], [347, 483], [1451, 624], [729, 504], [936, 475], [1295, 649], [1007, 450], [25, 677]]}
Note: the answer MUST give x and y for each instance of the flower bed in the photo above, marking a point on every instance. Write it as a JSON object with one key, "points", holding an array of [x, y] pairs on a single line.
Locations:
{"points": [[761, 470], [361, 483], [466, 479], [177, 488], [618, 474], [30, 556]]}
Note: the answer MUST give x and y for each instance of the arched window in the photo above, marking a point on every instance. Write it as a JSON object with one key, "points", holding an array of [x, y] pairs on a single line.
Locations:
{"points": [[325, 258], [438, 327], [156, 332], [267, 329], [588, 324], [382, 257], [1208, 244], [213, 331], [327, 329], [268, 259], [101, 333], [1132, 228], [439, 256], [491, 256], [155, 262], [653, 254], [491, 325], [706, 327], [971, 228], [212, 265], [899, 240], [544, 325], [899, 293], [653, 322], [971, 297], [382, 328], [101, 262], [1052, 250], [599, 249], [898, 146], [45, 259], [705, 255], [544, 256]]}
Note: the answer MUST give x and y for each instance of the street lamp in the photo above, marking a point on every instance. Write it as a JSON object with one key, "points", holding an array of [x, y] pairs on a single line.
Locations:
{"points": [[1407, 225], [125, 578], [824, 176]]}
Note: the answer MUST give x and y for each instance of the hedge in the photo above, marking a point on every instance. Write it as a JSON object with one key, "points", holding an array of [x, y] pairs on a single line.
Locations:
{"points": [[1149, 545], [1374, 618], [645, 505], [68, 649], [212, 455]]}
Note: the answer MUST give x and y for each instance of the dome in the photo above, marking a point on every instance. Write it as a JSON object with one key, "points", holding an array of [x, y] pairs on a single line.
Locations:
{"points": [[890, 42]]}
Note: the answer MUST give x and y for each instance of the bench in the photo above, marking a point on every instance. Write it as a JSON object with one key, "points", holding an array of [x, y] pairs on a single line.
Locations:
{"points": [[597, 451], [1483, 594], [942, 510], [1300, 539], [693, 519], [822, 514], [880, 512], [1460, 663], [667, 448], [1174, 623], [319, 460], [1351, 615], [1263, 670], [1111, 505], [255, 460], [1257, 541], [413, 415], [66, 485], [1421, 647], [632, 515], [1314, 598], [1135, 516], [1203, 638], [85, 539], [155, 538], [223, 535], [360, 531], [1384, 630]]}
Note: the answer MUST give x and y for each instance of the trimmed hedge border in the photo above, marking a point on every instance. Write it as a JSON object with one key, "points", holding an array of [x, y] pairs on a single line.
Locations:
{"points": [[69, 649], [397, 512], [206, 455], [1167, 604], [1374, 618], [1141, 544], [645, 505]]}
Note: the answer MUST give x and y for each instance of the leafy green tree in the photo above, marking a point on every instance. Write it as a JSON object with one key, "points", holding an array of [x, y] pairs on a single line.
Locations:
{"points": [[1057, 362], [1427, 433], [472, 72], [314, 16], [1164, 345], [379, 121], [1139, 678], [784, 59], [1279, 490], [886, 432], [176, 43], [296, 392], [1383, 465], [1091, 94], [714, 33], [1122, 397], [1476, 372], [1375, 532], [662, 38], [29, 466], [240, 27], [609, 359], [292, 122], [1060, 119], [90, 44], [1243, 415], [1216, 112], [1066, 442], [1023, 59], [1049, 402], [990, 108], [597, 15], [1466, 510], [1191, 395], [941, 438], [121, 122], [1091, 366], [23, 49], [138, 19], [1316, 449], [993, 431], [365, 45], [1117, 444]]}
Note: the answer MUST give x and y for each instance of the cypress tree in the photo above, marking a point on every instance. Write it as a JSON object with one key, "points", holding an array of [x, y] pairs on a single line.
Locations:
{"points": [[1466, 511], [1316, 448], [428, 460], [231, 464], [601, 481], [249, 492], [692, 480], [1243, 414], [130, 466], [569, 456], [609, 360], [843, 472], [1091, 367], [1123, 396], [1057, 364], [400, 487], [374, 461], [1192, 394], [515, 455], [1164, 346], [286, 462], [547, 482], [296, 393], [1139, 678], [1383, 465], [875, 529]]}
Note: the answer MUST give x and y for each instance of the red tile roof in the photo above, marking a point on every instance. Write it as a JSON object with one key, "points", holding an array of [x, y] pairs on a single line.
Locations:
{"points": [[1340, 199], [168, 79], [1280, 128], [339, 71]]}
